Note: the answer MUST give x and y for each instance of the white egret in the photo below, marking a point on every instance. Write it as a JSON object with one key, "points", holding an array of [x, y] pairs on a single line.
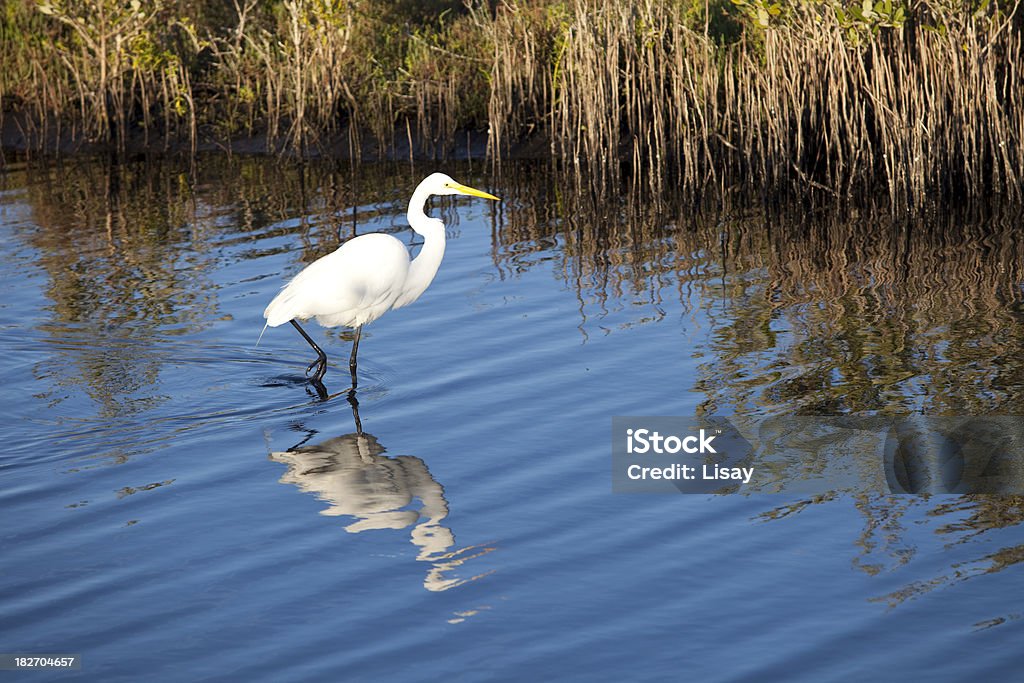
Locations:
{"points": [[366, 276]]}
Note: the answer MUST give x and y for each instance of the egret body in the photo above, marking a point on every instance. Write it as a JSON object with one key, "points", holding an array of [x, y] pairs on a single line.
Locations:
{"points": [[366, 276]]}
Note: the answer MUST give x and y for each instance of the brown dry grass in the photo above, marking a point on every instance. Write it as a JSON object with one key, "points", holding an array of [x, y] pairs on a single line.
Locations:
{"points": [[908, 108], [808, 103]]}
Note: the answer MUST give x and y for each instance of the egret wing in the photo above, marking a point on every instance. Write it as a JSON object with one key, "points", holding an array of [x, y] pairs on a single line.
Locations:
{"points": [[351, 286]]}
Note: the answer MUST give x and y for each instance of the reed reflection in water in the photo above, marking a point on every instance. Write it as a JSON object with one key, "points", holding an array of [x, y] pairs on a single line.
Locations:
{"points": [[826, 312], [352, 474]]}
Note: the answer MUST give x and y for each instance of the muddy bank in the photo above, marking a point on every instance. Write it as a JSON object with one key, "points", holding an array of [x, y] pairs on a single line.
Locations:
{"points": [[21, 139]]}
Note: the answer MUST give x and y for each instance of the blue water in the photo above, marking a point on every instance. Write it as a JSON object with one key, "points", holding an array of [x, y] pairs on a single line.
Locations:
{"points": [[178, 504]]}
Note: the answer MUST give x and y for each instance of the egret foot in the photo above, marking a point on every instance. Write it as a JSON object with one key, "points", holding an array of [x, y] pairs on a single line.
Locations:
{"points": [[321, 357], [321, 368]]}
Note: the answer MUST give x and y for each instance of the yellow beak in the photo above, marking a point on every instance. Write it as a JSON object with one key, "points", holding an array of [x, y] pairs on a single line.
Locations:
{"points": [[465, 189]]}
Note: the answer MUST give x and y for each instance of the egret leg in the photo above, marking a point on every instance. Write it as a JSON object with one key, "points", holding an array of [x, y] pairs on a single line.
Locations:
{"points": [[355, 412], [321, 360], [352, 358]]}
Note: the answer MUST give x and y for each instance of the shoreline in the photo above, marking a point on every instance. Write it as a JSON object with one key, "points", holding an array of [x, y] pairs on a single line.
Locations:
{"points": [[465, 145], [908, 102]]}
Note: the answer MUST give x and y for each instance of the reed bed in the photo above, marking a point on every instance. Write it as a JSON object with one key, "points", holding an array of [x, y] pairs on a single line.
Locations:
{"points": [[907, 101], [813, 99]]}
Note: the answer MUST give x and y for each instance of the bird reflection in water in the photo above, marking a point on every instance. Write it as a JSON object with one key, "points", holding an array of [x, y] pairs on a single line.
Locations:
{"points": [[352, 474]]}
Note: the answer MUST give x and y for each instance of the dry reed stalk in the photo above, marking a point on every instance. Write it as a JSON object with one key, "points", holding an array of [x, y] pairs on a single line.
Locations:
{"points": [[925, 113], [617, 89]]}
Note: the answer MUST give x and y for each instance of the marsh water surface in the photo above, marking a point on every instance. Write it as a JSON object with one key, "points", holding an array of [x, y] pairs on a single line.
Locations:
{"points": [[178, 503]]}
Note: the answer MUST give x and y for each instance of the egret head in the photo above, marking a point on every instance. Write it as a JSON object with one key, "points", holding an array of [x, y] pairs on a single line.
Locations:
{"points": [[439, 183]]}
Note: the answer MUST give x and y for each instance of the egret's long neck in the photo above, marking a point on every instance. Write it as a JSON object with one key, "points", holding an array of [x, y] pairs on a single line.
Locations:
{"points": [[425, 265], [419, 200]]}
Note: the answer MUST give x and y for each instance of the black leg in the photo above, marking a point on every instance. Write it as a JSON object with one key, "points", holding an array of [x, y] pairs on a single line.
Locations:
{"points": [[352, 358], [321, 360], [355, 412]]}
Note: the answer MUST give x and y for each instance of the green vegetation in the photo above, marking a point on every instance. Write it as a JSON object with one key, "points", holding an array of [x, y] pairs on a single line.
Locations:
{"points": [[918, 97]]}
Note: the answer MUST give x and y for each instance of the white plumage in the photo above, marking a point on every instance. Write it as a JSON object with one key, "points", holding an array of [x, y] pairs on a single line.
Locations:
{"points": [[369, 289], [367, 276]]}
